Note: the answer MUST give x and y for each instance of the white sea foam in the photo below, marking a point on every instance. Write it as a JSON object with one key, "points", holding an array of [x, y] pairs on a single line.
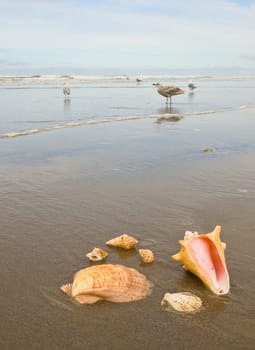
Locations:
{"points": [[22, 133], [73, 124], [212, 111], [161, 116], [247, 107], [122, 119], [51, 80]]}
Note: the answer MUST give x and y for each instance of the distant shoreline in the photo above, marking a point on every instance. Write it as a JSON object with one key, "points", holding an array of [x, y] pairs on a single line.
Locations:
{"points": [[37, 79]]}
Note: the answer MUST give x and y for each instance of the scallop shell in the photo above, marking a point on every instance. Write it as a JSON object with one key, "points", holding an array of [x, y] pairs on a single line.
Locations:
{"points": [[184, 301], [203, 255], [116, 283], [146, 255], [97, 254], [124, 241]]}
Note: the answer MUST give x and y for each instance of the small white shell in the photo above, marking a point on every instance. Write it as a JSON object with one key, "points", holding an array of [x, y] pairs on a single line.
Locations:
{"points": [[146, 255], [97, 254], [183, 301]]}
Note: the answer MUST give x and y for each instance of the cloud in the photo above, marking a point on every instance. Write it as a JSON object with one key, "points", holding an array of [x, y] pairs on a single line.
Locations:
{"points": [[248, 58], [168, 32]]}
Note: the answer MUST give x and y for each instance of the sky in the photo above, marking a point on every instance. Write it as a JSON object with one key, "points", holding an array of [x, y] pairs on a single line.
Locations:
{"points": [[72, 36]]}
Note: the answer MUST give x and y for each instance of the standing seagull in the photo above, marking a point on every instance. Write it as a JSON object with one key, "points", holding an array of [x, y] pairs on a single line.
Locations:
{"points": [[168, 91], [66, 90], [191, 86]]}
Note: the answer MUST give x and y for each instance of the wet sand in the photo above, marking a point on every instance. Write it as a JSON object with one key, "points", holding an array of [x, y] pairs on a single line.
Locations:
{"points": [[65, 192]]}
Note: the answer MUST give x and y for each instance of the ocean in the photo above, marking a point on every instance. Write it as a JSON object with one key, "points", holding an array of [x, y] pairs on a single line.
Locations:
{"points": [[110, 160], [35, 104]]}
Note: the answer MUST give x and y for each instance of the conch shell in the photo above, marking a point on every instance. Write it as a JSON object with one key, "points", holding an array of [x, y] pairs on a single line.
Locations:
{"points": [[183, 301], [97, 254], [115, 283], [203, 255], [146, 255], [124, 241]]}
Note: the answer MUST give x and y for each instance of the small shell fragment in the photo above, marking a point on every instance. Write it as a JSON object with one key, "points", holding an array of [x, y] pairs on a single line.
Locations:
{"points": [[146, 255], [183, 301], [124, 241], [97, 254], [208, 149]]}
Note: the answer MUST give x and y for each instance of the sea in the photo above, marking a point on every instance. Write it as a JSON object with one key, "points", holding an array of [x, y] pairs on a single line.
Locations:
{"points": [[114, 158], [34, 104]]}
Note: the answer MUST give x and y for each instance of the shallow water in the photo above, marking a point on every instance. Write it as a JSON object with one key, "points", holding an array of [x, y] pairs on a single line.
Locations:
{"points": [[29, 109], [66, 191]]}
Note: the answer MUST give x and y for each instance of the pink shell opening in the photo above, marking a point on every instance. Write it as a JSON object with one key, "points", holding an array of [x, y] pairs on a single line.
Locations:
{"points": [[209, 261]]}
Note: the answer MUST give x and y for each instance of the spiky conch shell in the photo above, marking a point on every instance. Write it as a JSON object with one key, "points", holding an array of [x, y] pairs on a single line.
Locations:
{"points": [[146, 255], [123, 241], [116, 283], [204, 256], [97, 254]]}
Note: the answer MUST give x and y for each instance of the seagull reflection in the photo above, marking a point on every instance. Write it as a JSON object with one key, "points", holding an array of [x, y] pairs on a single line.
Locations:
{"points": [[168, 109], [168, 114], [67, 104]]}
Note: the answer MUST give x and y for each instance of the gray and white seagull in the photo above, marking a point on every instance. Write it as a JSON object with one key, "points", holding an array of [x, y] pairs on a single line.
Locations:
{"points": [[66, 90], [168, 91]]}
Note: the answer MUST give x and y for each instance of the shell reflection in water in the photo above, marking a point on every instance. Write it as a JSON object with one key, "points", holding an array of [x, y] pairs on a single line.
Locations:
{"points": [[203, 255], [116, 283], [146, 255], [124, 241], [183, 301], [97, 254]]}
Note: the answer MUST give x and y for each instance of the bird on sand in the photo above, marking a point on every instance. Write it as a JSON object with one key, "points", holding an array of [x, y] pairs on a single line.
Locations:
{"points": [[191, 86], [66, 90], [168, 91]]}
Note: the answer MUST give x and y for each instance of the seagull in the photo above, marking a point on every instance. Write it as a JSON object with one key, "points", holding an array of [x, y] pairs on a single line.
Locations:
{"points": [[168, 91], [191, 86], [66, 90]]}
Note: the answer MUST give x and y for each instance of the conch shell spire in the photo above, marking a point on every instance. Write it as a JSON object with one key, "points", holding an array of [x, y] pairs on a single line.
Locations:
{"points": [[203, 255]]}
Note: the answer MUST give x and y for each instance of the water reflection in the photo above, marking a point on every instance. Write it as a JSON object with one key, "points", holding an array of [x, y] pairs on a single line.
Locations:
{"points": [[124, 254], [168, 109], [168, 114], [67, 104], [191, 95]]}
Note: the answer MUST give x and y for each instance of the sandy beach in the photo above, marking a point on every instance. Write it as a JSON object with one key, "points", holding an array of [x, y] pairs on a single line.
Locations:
{"points": [[100, 165]]}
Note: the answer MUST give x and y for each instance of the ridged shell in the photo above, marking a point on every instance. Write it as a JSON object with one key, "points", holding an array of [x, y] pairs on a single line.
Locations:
{"points": [[184, 301], [146, 255], [97, 254], [204, 256], [116, 283], [124, 241]]}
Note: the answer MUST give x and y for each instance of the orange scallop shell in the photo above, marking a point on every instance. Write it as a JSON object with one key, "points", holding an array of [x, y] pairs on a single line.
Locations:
{"points": [[116, 283]]}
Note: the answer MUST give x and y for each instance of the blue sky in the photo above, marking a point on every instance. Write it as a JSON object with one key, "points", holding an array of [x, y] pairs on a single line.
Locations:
{"points": [[72, 35]]}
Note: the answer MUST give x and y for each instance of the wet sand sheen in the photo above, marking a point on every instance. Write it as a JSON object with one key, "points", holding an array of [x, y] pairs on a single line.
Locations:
{"points": [[78, 188]]}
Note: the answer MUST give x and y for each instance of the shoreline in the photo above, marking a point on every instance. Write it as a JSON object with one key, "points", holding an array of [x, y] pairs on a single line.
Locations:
{"points": [[6, 80]]}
